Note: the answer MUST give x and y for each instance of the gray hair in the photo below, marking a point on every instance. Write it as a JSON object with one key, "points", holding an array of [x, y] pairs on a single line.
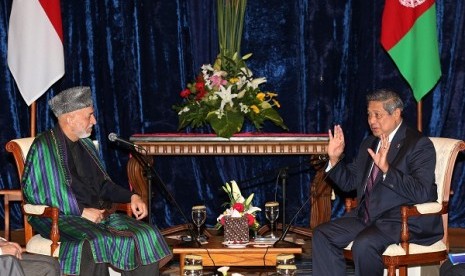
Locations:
{"points": [[391, 100]]}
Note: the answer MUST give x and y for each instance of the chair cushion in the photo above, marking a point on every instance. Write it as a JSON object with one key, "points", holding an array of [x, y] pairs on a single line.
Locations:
{"points": [[40, 245], [397, 250], [34, 209], [429, 207]]}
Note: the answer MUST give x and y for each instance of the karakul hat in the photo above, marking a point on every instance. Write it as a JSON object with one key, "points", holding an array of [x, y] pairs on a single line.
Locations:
{"points": [[70, 100]]}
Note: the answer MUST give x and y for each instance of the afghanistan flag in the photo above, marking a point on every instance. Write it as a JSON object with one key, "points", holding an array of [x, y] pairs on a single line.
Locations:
{"points": [[409, 35]]}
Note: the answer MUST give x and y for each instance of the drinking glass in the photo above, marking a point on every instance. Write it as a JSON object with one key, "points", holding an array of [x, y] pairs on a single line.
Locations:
{"points": [[286, 270], [285, 259], [272, 213], [199, 215], [192, 259], [193, 270]]}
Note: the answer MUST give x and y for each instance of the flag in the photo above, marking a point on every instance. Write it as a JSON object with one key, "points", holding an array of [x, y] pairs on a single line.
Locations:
{"points": [[35, 46], [409, 36]]}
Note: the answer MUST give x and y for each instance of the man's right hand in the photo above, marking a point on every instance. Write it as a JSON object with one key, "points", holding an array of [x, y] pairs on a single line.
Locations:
{"points": [[336, 144], [11, 248], [94, 215]]}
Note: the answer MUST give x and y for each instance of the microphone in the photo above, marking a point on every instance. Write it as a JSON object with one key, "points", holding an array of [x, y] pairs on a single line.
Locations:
{"points": [[281, 243], [113, 137]]}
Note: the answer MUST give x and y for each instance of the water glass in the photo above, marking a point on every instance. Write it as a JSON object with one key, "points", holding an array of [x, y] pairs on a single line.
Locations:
{"points": [[272, 213], [191, 259], [285, 259], [286, 269], [193, 270], [199, 215]]}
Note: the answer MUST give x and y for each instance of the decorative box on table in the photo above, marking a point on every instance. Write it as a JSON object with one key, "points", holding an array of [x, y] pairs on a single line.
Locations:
{"points": [[236, 230]]}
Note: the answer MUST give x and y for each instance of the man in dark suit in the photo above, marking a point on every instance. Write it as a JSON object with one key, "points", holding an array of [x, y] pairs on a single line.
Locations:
{"points": [[394, 166]]}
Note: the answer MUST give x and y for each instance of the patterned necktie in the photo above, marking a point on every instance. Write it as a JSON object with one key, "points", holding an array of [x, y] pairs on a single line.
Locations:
{"points": [[370, 184]]}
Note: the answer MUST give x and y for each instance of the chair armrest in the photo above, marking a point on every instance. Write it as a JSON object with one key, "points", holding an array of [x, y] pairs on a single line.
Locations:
{"points": [[424, 209], [429, 208], [47, 212]]}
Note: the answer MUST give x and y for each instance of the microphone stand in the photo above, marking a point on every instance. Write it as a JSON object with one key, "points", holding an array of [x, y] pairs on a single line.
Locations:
{"points": [[147, 167], [281, 243], [283, 176], [151, 174]]}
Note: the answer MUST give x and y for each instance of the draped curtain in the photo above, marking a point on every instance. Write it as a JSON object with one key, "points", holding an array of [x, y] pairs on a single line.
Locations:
{"points": [[321, 57]]}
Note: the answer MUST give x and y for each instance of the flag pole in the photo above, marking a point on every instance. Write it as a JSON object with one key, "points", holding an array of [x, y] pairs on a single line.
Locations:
{"points": [[420, 116], [33, 119]]}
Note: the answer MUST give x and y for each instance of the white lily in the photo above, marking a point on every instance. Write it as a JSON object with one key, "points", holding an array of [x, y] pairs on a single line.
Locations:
{"points": [[249, 199], [235, 214], [226, 96], [236, 193], [224, 270], [253, 209], [256, 82]]}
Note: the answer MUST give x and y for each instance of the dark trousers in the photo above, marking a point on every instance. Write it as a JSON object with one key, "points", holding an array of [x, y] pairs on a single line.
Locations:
{"points": [[329, 240], [90, 267], [30, 265], [448, 269]]}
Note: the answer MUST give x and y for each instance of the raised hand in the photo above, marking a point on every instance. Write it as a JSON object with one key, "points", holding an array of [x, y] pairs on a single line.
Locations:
{"points": [[336, 144], [380, 157]]}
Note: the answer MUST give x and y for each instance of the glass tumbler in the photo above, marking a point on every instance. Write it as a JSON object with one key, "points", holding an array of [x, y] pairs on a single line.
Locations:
{"points": [[193, 270], [285, 259], [286, 270], [191, 259]]}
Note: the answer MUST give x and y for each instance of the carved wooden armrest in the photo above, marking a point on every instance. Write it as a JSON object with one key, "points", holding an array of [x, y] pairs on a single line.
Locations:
{"points": [[424, 209], [47, 212]]}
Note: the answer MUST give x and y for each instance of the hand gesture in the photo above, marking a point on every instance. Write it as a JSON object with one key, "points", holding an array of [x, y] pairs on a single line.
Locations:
{"points": [[11, 248], [93, 214], [139, 209], [336, 144], [380, 158]]}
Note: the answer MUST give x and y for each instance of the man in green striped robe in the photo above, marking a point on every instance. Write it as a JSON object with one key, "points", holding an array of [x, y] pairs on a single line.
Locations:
{"points": [[63, 170]]}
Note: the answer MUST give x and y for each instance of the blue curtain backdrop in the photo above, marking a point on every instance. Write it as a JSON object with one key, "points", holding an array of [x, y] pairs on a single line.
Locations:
{"points": [[321, 57]]}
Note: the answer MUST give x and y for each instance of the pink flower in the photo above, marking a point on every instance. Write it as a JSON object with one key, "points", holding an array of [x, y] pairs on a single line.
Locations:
{"points": [[239, 207], [217, 81]]}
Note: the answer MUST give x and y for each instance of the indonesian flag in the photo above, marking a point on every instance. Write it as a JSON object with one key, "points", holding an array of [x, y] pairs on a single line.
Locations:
{"points": [[409, 35], [35, 46]]}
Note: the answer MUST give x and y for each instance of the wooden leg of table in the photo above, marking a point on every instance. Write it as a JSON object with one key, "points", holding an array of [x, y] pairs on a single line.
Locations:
{"points": [[182, 257], [7, 217]]}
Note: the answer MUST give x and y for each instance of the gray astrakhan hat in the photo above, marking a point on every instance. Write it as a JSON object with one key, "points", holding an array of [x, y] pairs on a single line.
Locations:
{"points": [[70, 100]]}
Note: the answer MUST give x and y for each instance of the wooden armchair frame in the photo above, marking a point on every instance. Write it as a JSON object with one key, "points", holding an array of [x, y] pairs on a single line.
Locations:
{"points": [[19, 148]]}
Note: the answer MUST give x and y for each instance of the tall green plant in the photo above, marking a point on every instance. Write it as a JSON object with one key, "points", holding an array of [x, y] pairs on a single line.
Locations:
{"points": [[230, 25]]}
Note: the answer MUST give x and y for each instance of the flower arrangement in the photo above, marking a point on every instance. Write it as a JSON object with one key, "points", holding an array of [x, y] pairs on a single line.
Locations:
{"points": [[238, 206], [225, 94]]}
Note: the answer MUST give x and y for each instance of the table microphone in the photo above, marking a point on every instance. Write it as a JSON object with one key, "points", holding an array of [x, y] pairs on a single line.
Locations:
{"points": [[281, 243]]}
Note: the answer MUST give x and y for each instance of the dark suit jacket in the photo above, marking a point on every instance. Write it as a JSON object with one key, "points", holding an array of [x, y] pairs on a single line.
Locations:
{"points": [[409, 180]]}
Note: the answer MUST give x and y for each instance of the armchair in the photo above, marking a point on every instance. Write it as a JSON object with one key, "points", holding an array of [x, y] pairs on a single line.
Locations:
{"points": [[405, 254], [37, 244]]}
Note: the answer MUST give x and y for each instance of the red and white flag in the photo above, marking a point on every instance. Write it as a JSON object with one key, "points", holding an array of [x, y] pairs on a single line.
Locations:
{"points": [[35, 46]]}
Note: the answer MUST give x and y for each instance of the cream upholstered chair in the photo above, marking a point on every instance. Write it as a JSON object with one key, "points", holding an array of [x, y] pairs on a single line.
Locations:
{"points": [[37, 244], [410, 254]]}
